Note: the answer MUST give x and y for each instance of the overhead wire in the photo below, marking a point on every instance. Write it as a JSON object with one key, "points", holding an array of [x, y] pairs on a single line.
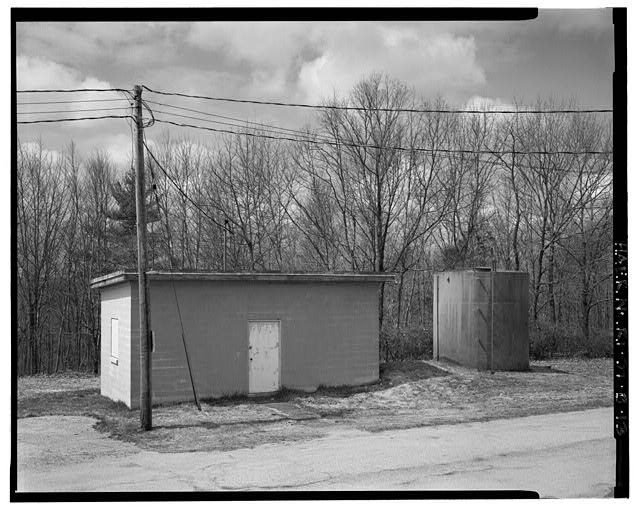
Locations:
{"points": [[258, 128], [44, 121], [236, 119], [361, 108], [284, 134], [71, 101], [178, 187], [153, 119], [377, 147], [51, 91], [304, 136], [72, 111]]}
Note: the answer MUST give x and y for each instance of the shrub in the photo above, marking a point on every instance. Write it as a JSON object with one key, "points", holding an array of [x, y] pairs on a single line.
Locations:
{"points": [[405, 343], [547, 339], [600, 344]]}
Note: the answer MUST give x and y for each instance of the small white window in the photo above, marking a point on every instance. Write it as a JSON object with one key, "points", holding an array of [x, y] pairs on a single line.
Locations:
{"points": [[114, 340]]}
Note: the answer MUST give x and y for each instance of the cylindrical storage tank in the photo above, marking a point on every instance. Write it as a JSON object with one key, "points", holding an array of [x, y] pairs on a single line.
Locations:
{"points": [[480, 318]]}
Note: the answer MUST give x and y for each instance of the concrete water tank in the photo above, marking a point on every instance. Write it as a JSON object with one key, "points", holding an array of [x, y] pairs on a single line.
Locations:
{"points": [[480, 318]]}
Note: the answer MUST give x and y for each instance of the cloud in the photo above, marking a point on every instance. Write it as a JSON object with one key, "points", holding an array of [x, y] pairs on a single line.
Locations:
{"points": [[309, 61], [299, 62], [435, 64], [118, 147], [488, 103], [113, 135], [263, 44], [34, 147], [590, 22], [35, 73], [263, 57], [40, 73]]}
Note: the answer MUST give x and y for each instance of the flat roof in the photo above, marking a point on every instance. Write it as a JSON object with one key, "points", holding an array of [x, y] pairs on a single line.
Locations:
{"points": [[122, 276]]}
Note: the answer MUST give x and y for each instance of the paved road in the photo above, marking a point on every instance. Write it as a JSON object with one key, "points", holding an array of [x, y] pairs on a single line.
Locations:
{"points": [[558, 455]]}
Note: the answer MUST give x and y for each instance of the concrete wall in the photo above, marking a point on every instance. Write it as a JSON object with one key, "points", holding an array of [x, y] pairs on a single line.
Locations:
{"points": [[329, 335], [115, 374], [462, 319]]}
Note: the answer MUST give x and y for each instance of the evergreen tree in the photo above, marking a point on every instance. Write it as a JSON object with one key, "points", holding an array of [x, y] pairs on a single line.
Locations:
{"points": [[123, 228]]}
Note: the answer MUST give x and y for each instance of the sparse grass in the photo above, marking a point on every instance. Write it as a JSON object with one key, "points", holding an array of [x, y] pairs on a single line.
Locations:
{"points": [[408, 394], [34, 385], [69, 403]]}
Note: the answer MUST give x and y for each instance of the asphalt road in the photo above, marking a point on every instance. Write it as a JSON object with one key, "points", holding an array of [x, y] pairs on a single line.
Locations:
{"points": [[558, 455]]}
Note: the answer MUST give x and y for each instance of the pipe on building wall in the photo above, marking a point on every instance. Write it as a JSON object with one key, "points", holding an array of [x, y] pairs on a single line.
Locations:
{"points": [[437, 318], [492, 281]]}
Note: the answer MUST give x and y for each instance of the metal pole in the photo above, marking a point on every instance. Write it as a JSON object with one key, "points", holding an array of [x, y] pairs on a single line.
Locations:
{"points": [[224, 252], [493, 270], [143, 293]]}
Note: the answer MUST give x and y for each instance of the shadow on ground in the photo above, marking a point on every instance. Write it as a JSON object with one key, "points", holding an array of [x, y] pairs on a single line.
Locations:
{"points": [[391, 374], [548, 369]]}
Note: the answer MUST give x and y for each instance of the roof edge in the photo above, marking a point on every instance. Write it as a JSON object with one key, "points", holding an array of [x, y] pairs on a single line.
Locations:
{"points": [[122, 276]]}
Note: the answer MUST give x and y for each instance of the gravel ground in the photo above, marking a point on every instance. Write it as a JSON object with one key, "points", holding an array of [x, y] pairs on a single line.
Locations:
{"points": [[409, 394]]}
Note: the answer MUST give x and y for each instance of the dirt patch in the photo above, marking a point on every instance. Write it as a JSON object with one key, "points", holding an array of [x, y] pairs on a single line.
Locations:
{"points": [[45, 441], [399, 372], [409, 394]]}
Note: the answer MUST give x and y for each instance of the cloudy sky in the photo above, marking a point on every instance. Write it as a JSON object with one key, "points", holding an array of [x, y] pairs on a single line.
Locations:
{"points": [[564, 54]]}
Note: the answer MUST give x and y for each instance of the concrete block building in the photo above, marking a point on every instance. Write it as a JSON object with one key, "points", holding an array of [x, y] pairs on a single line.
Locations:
{"points": [[246, 333]]}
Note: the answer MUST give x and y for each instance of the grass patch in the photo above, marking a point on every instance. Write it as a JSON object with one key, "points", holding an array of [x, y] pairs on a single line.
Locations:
{"points": [[399, 372], [70, 403], [408, 394]]}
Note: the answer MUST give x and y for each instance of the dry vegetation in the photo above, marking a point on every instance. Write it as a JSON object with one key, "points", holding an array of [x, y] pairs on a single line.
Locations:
{"points": [[409, 394]]}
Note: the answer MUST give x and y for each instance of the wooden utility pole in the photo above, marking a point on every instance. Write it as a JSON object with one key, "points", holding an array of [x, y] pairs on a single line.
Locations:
{"points": [[143, 293]]}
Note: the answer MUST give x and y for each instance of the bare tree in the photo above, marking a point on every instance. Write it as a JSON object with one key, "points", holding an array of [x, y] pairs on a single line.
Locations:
{"points": [[42, 207], [369, 190], [247, 178], [588, 239]]}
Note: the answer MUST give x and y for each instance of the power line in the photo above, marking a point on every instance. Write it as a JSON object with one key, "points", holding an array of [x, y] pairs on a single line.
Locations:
{"points": [[305, 135], [73, 111], [365, 146], [73, 120], [359, 108], [177, 186], [275, 129], [71, 101], [261, 124], [199, 207], [153, 118], [47, 91]]}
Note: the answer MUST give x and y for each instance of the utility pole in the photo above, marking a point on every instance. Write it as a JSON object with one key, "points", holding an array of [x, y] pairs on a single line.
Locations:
{"points": [[143, 292]]}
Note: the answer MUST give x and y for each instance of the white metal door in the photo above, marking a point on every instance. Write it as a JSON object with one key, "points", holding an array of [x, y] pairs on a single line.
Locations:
{"points": [[264, 356]]}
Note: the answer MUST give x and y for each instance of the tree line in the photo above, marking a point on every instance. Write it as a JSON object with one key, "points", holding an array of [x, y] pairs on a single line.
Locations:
{"points": [[369, 189]]}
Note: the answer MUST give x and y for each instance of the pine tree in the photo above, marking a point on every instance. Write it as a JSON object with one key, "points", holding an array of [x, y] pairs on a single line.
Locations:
{"points": [[123, 227]]}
